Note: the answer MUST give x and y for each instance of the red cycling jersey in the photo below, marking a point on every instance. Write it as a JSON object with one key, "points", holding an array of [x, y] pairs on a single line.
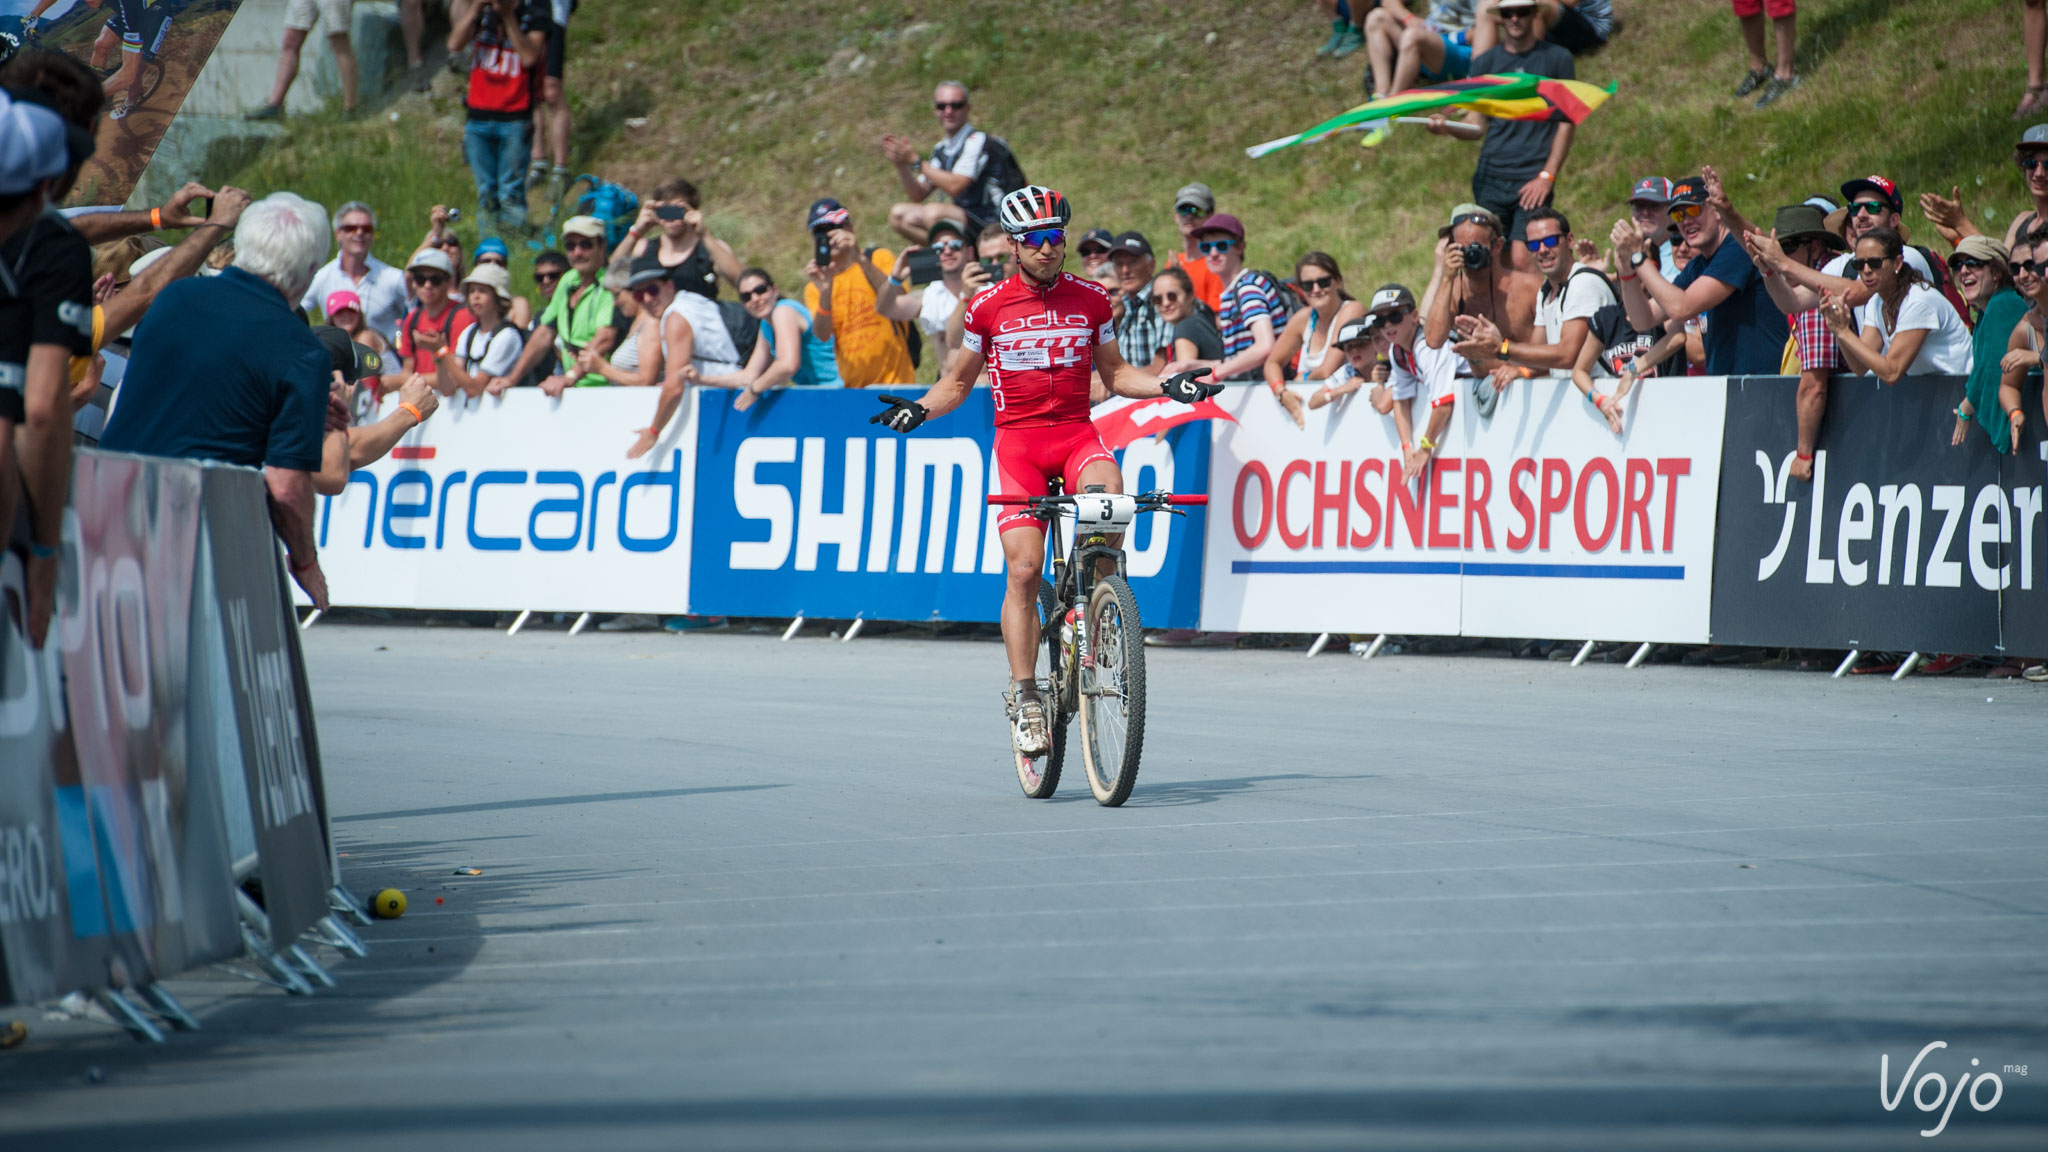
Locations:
{"points": [[1040, 344]]}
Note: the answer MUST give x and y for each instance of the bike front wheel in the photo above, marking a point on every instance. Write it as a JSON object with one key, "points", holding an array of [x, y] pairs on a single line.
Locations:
{"points": [[1112, 691]]}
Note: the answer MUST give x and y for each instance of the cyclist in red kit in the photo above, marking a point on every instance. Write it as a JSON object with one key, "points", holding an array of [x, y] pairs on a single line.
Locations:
{"points": [[1039, 333]]}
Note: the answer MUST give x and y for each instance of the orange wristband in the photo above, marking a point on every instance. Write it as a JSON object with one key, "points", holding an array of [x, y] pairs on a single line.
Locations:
{"points": [[406, 405], [156, 219]]}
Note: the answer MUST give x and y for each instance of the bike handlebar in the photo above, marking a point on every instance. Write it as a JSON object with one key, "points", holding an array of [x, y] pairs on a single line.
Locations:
{"points": [[1052, 501]]}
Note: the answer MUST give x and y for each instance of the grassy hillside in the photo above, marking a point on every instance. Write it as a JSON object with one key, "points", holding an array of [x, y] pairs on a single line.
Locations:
{"points": [[1118, 102]]}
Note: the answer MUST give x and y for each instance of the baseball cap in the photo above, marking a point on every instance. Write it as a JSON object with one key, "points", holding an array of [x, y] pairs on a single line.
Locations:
{"points": [[1132, 242], [828, 213], [1515, 4], [1196, 196], [1100, 236], [1651, 190], [32, 145], [431, 258], [1464, 213], [1356, 332], [494, 277], [347, 357], [589, 226], [946, 224], [2035, 137], [1388, 297], [341, 301], [1877, 184], [1689, 190], [492, 246], [1221, 222], [1983, 248], [647, 269]]}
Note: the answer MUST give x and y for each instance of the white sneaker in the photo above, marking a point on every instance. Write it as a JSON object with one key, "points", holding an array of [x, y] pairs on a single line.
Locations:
{"points": [[1027, 723]]}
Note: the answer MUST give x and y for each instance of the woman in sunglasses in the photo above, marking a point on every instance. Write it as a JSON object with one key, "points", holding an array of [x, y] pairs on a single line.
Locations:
{"points": [[788, 354], [635, 360], [695, 344], [2029, 336], [1303, 348], [1195, 335], [1906, 327], [1981, 274]]}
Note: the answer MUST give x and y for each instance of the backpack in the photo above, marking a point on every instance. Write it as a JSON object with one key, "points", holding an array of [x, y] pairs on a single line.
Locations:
{"points": [[741, 325], [1001, 175], [469, 341]]}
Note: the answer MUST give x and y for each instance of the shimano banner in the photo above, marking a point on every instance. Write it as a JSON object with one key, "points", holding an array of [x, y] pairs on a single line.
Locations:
{"points": [[518, 501], [1538, 521], [805, 508], [1901, 541]]}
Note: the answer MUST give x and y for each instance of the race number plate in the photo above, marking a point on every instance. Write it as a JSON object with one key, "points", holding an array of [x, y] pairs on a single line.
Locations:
{"points": [[1104, 510]]}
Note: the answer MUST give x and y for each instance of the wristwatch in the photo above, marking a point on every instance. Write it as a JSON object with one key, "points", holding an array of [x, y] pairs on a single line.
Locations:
{"points": [[1636, 261]]}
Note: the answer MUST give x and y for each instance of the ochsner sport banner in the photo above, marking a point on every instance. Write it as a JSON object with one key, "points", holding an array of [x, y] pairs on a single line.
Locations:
{"points": [[518, 501], [804, 507], [1538, 521], [1900, 541]]}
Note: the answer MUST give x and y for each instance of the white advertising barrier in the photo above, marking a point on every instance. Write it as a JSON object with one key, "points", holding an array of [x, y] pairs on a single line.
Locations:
{"points": [[1537, 522], [520, 501]]}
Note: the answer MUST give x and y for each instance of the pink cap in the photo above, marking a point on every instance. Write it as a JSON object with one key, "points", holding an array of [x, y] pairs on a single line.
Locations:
{"points": [[342, 301]]}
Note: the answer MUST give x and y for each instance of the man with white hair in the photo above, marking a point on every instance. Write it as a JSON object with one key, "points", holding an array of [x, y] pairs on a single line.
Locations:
{"points": [[224, 369]]}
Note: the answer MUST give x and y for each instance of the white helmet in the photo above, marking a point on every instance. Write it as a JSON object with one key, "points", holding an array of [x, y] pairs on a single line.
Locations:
{"points": [[1031, 207]]}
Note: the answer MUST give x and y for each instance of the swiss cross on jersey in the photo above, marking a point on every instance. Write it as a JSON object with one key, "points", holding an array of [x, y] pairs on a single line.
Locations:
{"points": [[1039, 344]]}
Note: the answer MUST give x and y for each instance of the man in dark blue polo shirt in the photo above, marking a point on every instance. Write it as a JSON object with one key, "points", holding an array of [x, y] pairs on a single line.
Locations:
{"points": [[224, 369]]}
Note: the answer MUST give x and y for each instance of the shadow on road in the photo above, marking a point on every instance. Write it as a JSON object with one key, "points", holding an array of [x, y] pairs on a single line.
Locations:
{"points": [[553, 801]]}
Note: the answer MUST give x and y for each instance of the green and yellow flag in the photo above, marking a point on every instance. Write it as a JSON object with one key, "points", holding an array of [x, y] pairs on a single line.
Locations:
{"points": [[1504, 96]]}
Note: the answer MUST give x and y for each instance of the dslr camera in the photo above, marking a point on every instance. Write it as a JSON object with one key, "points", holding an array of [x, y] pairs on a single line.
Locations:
{"points": [[1477, 256]]}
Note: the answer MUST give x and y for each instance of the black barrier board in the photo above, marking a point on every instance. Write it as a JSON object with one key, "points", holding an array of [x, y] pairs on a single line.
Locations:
{"points": [[271, 711], [1900, 542]]}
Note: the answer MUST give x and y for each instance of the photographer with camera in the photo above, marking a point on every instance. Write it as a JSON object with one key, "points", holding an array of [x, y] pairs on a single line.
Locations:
{"points": [[934, 308], [1473, 280], [869, 347], [671, 225]]}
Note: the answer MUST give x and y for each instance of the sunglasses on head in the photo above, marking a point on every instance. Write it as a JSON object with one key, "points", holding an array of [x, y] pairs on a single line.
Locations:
{"points": [[1683, 212], [1317, 285], [1857, 264], [1545, 244], [1869, 207], [356, 229], [573, 243], [948, 245], [1210, 247], [1043, 238], [949, 105], [756, 290]]}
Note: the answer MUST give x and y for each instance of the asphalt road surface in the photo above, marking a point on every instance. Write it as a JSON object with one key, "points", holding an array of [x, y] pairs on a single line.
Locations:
{"points": [[740, 893]]}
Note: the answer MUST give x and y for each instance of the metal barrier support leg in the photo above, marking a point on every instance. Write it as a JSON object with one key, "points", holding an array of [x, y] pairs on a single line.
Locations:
{"points": [[1373, 649], [336, 935], [1906, 666], [340, 899], [165, 1005], [1316, 649], [581, 623], [1642, 654], [1848, 663], [1585, 650], [128, 1016], [852, 629], [311, 619], [795, 626], [519, 623], [311, 967]]}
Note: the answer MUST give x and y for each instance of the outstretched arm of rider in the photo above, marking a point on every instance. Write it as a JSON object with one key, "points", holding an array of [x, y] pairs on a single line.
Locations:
{"points": [[903, 415], [1132, 382]]}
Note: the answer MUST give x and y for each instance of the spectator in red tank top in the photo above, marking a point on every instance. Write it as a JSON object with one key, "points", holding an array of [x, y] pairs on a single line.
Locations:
{"points": [[434, 325], [510, 37]]}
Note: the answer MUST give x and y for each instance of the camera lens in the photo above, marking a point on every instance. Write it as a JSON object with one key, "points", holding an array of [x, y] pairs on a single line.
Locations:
{"points": [[1477, 256]]}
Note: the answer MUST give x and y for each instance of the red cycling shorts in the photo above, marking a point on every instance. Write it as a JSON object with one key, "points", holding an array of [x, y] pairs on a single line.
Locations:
{"points": [[1776, 9], [1027, 459]]}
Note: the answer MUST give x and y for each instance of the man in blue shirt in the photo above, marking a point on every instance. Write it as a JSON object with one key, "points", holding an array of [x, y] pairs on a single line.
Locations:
{"points": [[224, 369], [1746, 331]]}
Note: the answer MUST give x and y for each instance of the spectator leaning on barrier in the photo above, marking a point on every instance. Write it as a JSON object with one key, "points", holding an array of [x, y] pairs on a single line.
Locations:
{"points": [[671, 225], [1296, 349], [1519, 160], [510, 37], [488, 348], [972, 168], [1251, 300], [635, 359], [1142, 334], [841, 296], [1405, 48], [1906, 328], [435, 323], [2030, 335], [1746, 330], [493, 251], [1649, 205], [577, 310], [694, 343], [380, 289], [1800, 237], [259, 399], [1194, 335], [1193, 204], [1472, 281], [787, 355], [1573, 291], [1980, 267], [933, 307]]}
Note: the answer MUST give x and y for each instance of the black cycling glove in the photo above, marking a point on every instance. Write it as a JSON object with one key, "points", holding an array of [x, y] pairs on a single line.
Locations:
{"points": [[901, 415], [1182, 386]]}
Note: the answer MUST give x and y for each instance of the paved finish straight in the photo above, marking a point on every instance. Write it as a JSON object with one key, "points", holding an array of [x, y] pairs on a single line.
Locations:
{"points": [[739, 893]]}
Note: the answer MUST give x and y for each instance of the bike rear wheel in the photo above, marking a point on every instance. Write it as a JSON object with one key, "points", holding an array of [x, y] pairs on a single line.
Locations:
{"points": [[1040, 778], [1112, 690]]}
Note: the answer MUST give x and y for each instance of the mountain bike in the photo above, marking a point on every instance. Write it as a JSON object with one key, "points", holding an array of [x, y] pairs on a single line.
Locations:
{"points": [[1092, 658]]}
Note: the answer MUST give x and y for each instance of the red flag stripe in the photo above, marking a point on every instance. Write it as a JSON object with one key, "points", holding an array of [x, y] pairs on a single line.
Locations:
{"points": [[1564, 99]]}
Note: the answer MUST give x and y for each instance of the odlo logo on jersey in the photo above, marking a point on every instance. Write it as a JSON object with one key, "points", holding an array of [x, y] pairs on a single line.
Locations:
{"points": [[1044, 320]]}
